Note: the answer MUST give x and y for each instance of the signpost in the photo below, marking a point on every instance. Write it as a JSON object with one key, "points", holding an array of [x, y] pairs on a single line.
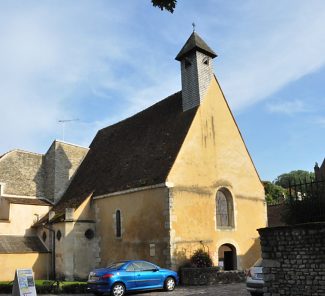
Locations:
{"points": [[24, 284]]}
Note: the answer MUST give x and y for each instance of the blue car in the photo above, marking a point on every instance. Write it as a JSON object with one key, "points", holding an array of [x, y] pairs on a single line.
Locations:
{"points": [[132, 275]]}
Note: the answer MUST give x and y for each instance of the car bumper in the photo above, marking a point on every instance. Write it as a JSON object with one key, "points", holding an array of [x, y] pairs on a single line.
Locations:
{"points": [[255, 287], [98, 287]]}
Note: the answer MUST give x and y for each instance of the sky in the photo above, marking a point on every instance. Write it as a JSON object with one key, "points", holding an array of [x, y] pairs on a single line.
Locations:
{"points": [[97, 62]]}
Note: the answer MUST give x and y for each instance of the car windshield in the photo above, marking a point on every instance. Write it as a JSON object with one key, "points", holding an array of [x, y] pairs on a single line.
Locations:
{"points": [[116, 265]]}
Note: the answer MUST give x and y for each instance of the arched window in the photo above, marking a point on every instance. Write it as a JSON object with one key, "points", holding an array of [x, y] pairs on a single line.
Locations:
{"points": [[118, 223], [224, 209]]}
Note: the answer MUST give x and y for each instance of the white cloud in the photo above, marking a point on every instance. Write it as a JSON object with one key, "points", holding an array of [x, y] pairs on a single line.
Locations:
{"points": [[271, 46], [288, 107], [319, 121], [51, 52]]}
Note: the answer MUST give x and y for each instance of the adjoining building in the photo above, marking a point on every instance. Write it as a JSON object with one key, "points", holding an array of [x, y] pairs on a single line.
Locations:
{"points": [[30, 184]]}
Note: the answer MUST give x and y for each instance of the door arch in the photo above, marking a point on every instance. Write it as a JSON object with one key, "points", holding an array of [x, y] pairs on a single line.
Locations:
{"points": [[227, 255]]}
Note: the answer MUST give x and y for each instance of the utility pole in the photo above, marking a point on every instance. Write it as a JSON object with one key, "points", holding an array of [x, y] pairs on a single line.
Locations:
{"points": [[64, 121]]}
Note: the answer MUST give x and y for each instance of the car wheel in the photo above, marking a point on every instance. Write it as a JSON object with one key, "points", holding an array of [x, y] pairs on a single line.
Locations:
{"points": [[118, 290], [256, 294], [169, 284], [98, 293]]}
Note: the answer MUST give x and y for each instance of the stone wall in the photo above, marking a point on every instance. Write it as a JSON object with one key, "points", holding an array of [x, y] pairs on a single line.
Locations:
{"points": [[30, 174], [21, 173], [61, 161], [294, 259], [210, 276]]}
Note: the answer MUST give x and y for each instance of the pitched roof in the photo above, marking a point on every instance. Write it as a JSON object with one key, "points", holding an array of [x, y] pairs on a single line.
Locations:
{"points": [[21, 244], [195, 42], [135, 152], [28, 201]]}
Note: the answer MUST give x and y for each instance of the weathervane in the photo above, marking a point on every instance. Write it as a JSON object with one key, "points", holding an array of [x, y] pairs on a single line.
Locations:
{"points": [[193, 25]]}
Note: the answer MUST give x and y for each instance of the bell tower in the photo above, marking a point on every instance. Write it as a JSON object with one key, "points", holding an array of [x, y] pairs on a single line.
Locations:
{"points": [[196, 70]]}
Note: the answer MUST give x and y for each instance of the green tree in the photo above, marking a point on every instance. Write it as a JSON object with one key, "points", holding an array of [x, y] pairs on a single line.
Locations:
{"points": [[169, 5], [293, 177], [273, 193]]}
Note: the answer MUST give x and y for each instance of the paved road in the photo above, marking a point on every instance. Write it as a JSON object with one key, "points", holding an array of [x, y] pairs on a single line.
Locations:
{"points": [[221, 290]]}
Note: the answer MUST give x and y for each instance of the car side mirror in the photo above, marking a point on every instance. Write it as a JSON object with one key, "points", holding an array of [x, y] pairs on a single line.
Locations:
{"points": [[155, 269]]}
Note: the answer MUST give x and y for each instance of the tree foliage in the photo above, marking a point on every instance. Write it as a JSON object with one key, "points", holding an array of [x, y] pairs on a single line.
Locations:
{"points": [[169, 5], [201, 258], [293, 177], [274, 193]]}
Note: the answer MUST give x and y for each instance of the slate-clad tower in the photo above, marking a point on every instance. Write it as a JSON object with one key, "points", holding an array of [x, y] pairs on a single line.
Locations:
{"points": [[196, 70]]}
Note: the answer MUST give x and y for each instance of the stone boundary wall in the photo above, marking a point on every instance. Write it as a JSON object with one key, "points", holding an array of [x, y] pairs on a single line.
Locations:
{"points": [[209, 276], [294, 259]]}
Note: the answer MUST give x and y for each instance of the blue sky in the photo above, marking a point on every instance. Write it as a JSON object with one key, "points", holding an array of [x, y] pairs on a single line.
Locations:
{"points": [[102, 61]]}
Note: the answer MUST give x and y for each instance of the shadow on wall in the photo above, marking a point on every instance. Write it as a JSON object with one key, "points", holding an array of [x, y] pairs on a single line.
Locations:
{"points": [[252, 255], [41, 266], [228, 258], [76, 246], [53, 176]]}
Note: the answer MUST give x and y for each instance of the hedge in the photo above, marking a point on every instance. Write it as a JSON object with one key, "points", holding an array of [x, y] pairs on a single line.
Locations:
{"points": [[50, 287]]}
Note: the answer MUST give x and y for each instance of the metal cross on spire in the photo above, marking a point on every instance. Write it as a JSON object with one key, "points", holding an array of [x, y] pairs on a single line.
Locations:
{"points": [[193, 25]]}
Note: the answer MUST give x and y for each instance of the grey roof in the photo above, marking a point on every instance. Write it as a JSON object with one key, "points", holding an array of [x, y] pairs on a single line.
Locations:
{"points": [[10, 244], [195, 42], [138, 151]]}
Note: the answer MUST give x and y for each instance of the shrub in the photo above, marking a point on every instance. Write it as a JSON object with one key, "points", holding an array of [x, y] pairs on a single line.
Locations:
{"points": [[201, 258], [74, 288], [5, 287]]}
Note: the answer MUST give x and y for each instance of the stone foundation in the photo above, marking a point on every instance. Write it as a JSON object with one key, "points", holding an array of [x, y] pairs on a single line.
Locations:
{"points": [[210, 276]]}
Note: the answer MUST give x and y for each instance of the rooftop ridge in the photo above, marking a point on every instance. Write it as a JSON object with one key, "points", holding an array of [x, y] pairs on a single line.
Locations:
{"points": [[71, 144]]}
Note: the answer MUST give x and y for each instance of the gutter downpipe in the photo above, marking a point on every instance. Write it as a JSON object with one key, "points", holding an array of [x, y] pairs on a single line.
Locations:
{"points": [[52, 251]]}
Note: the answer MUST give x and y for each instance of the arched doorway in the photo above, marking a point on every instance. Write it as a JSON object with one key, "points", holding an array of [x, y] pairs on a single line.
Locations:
{"points": [[227, 257]]}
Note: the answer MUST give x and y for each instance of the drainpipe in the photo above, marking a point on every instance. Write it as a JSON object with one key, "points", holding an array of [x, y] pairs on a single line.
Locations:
{"points": [[53, 250]]}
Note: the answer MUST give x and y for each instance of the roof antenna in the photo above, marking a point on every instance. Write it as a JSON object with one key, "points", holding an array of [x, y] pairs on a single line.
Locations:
{"points": [[64, 121], [193, 25]]}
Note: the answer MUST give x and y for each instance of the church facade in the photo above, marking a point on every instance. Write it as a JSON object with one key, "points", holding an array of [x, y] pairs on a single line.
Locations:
{"points": [[161, 184]]}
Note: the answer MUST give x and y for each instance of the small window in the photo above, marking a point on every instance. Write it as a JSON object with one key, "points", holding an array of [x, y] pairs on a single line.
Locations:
{"points": [[89, 234], [58, 235], [118, 223], [44, 236], [205, 61]]}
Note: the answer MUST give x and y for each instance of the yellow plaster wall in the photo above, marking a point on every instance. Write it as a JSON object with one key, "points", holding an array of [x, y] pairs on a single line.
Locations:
{"points": [[21, 218], [85, 211], [10, 262], [144, 215], [213, 156], [75, 254]]}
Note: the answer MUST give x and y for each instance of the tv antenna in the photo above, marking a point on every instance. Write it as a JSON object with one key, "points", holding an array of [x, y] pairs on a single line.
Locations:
{"points": [[64, 122]]}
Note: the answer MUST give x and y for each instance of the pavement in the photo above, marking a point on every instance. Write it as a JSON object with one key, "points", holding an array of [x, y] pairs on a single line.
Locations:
{"points": [[238, 289]]}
